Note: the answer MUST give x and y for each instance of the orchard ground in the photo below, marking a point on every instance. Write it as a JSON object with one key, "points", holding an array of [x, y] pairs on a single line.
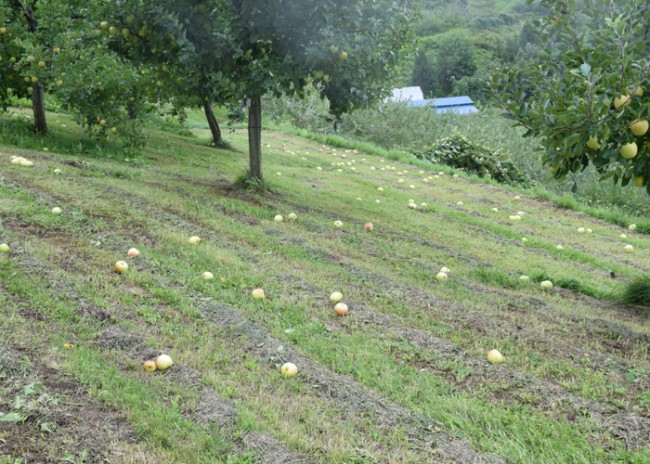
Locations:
{"points": [[402, 378]]}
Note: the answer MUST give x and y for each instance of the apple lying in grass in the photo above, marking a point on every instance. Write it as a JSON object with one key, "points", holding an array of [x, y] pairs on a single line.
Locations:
{"points": [[589, 231], [524, 239], [194, 240], [4, 248], [341, 309], [581, 230], [632, 227], [149, 365], [289, 369], [524, 278], [207, 276], [335, 297], [163, 362], [278, 218], [445, 269], [368, 226], [121, 267], [516, 198], [292, 216], [441, 276], [629, 249], [495, 357], [546, 284], [258, 294], [57, 171], [56, 210], [133, 253], [338, 224], [412, 205]]}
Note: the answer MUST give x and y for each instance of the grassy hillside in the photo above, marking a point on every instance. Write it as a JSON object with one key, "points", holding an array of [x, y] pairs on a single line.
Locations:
{"points": [[403, 378]]}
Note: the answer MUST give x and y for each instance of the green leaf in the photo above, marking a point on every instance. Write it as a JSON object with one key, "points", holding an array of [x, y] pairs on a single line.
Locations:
{"points": [[12, 417]]}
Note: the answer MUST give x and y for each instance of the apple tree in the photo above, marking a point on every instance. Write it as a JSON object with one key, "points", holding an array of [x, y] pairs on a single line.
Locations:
{"points": [[587, 98], [347, 49], [58, 48]]}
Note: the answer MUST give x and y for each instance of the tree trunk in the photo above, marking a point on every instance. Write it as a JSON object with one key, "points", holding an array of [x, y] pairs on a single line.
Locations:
{"points": [[255, 138], [38, 106], [212, 122]]}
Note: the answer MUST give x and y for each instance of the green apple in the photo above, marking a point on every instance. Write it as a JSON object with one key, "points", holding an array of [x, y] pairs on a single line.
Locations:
{"points": [[593, 143], [621, 101], [207, 276], [629, 249], [194, 240], [258, 294], [546, 285], [56, 210], [441, 276], [4, 248]]}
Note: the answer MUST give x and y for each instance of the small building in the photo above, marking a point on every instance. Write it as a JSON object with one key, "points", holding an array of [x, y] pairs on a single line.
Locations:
{"points": [[407, 94], [457, 105]]}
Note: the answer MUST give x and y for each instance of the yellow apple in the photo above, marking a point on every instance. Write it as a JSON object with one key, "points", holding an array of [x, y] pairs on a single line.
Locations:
{"points": [[441, 276], [207, 276], [495, 357], [194, 240], [258, 294], [638, 181], [343, 56], [629, 249], [629, 150], [289, 370], [638, 92], [56, 210], [4, 248], [639, 127], [41, 64], [164, 362], [621, 101], [335, 297], [546, 285], [121, 267], [593, 143]]}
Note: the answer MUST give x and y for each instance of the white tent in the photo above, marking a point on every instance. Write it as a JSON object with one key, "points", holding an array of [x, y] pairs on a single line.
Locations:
{"points": [[407, 94]]}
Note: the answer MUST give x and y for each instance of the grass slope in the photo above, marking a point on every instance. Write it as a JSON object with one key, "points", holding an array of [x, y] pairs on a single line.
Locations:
{"points": [[403, 378]]}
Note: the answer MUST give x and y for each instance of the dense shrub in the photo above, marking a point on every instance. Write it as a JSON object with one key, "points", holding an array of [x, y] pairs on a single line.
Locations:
{"points": [[459, 152]]}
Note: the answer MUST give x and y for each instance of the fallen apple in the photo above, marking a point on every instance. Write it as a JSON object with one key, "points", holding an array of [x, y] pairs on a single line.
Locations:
{"points": [[57, 171], [133, 253], [581, 230], [258, 294], [149, 365], [121, 267], [368, 226], [632, 227], [4, 248], [524, 278], [68, 346], [341, 309], [441, 276], [289, 370], [194, 240], [515, 218], [588, 231], [495, 357], [338, 224], [445, 269], [546, 284], [629, 249], [335, 297], [56, 210], [516, 198], [164, 362], [412, 205], [292, 216], [207, 276], [559, 247], [278, 218]]}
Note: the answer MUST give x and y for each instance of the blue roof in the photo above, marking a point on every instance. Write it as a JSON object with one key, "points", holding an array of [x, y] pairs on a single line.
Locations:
{"points": [[458, 105]]}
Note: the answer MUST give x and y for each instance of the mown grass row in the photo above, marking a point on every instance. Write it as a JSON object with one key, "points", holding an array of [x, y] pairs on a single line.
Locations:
{"points": [[254, 238]]}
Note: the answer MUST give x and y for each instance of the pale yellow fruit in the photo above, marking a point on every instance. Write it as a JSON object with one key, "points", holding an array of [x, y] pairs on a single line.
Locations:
{"points": [[621, 101], [335, 297], [546, 285], [495, 357], [638, 181], [289, 370], [593, 143], [639, 127], [164, 362], [441, 276], [629, 150]]}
